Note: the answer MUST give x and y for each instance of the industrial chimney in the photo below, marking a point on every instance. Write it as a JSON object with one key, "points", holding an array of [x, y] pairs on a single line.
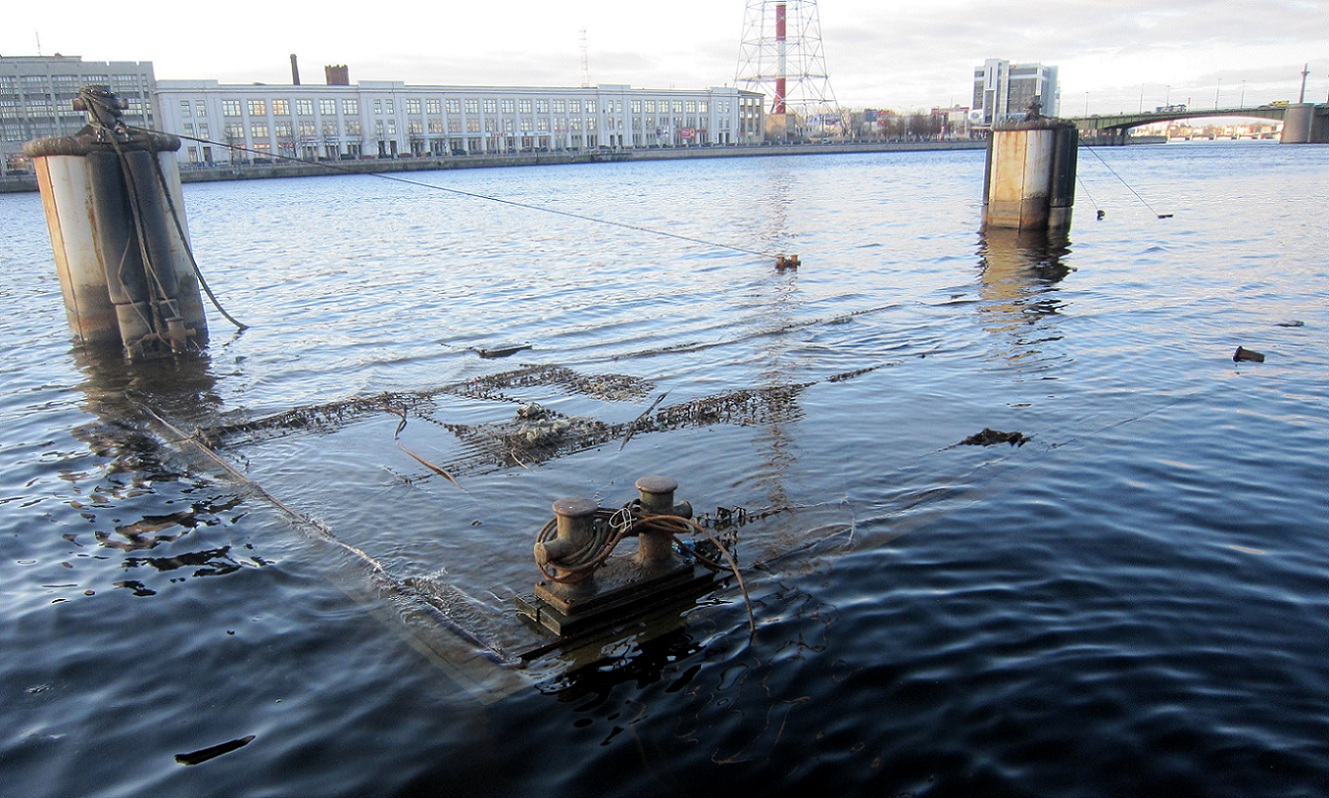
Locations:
{"points": [[295, 71], [337, 75]]}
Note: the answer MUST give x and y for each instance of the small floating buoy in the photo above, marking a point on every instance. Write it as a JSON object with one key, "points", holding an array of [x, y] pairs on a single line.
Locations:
{"points": [[1247, 354], [786, 262], [1101, 213]]}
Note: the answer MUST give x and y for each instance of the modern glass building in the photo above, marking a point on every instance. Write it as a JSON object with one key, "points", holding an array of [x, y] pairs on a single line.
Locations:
{"points": [[1003, 91], [37, 93]]}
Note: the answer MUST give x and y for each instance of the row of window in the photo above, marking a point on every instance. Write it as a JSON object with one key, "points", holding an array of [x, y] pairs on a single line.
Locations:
{"points": [[70, 84], [307, 129], [436, 105]]}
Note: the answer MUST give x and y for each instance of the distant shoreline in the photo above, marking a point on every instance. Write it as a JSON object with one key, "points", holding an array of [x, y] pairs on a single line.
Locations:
{"points": [[206, 174]]}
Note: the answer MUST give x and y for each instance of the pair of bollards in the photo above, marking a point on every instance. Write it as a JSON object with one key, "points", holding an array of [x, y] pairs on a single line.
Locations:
{"points": [[585, 588]]}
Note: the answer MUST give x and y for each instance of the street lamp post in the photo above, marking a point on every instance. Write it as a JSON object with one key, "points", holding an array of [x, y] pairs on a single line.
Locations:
{"points": [[1218, 92]]}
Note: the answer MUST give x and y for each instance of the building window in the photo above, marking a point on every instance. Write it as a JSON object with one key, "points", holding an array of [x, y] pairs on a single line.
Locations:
{"points": [[329, 128], [454, 125], [307, 128], [473, 107], [491, 106], [258, 107], [281, 108], [434, 106], [202, 130], [636, 106], [454, 106], [436, 126], [258, 132], [281, 130], [392, 127], [304, 107], [473, 125], [387, 107], [524, 106], [508, 106], [413, 106], [701, 106], [235, 132], [327, 107], [352, 127], [350, 107], [542, 106], [230, 107], [590, 107], [678, 106], [560, 106], [378, 107], [574, 106], [650, 106]]}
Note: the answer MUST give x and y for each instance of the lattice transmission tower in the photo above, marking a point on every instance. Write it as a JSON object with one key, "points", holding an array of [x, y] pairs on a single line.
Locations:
{"points": [[781, 56]]}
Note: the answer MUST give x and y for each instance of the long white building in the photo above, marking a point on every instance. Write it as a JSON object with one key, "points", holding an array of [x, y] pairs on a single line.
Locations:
{"points": [[390, 119], [368, 119]]}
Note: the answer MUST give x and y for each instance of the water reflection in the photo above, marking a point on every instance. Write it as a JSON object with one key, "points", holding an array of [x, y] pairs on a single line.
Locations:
{"points": [[139, 497], [1019, 275]]}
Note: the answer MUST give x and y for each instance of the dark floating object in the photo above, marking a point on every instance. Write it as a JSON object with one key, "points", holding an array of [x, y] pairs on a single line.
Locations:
{"points": [[989, 437], [1165, 216], [787, 262], [204, 754], [500, 351], [1247, 354], [1101, 214], [1293, 323]]}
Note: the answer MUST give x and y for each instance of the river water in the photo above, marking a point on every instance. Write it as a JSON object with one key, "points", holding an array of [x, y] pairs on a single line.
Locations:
{"points": [[1135, 600]]}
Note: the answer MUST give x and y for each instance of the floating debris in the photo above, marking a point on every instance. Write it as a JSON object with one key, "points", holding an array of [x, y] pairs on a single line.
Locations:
{"points": [[500, 351], [1292, 323], [990, 437], [1247, 354], [204, 754]]}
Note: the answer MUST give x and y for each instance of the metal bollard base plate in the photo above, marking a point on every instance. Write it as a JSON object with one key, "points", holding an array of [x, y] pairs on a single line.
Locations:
{"points": [[624, 592]]}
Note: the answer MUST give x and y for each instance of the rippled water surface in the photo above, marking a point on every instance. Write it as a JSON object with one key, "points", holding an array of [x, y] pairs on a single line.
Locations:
{"points": [[1133, 601]]}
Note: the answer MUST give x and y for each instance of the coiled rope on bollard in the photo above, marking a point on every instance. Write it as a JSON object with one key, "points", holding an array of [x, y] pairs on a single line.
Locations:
{"points": [[610, 527]]}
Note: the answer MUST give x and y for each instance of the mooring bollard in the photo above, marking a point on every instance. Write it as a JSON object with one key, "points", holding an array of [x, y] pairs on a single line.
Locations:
{"points": [[655, 548], [575, 519], [113, 207], [585, 586]]}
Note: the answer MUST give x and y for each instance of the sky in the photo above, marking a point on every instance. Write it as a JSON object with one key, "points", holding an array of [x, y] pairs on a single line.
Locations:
{"points": [[1113, 55]]}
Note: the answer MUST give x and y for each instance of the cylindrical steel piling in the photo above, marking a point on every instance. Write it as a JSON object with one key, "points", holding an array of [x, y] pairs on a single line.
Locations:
{"points": [[1030, 179], [113, 200]]}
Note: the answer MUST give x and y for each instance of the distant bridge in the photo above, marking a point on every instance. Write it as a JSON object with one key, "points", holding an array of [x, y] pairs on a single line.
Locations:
{"points": [[1114, 129]]}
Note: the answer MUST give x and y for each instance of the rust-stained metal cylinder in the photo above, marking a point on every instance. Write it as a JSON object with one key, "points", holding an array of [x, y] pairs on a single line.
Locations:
{"points": [[1030, 178], [575, 533], [123, 261], [657, 498]]}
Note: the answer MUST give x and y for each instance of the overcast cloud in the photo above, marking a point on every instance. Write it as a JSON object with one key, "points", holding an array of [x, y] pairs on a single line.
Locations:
{"points": [[1113, 56]]}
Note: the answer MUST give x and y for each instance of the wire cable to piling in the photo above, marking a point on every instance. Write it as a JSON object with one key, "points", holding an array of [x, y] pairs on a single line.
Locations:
{"points": [[1123, 182], [485, 197]]}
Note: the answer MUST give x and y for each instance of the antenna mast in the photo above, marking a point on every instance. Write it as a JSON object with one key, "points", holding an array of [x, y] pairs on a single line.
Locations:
{"points": [[585, 62]]}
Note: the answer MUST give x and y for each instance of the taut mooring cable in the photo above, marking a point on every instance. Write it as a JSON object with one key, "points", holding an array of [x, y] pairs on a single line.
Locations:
{"points": [[514, 203], [1123, 182]]}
